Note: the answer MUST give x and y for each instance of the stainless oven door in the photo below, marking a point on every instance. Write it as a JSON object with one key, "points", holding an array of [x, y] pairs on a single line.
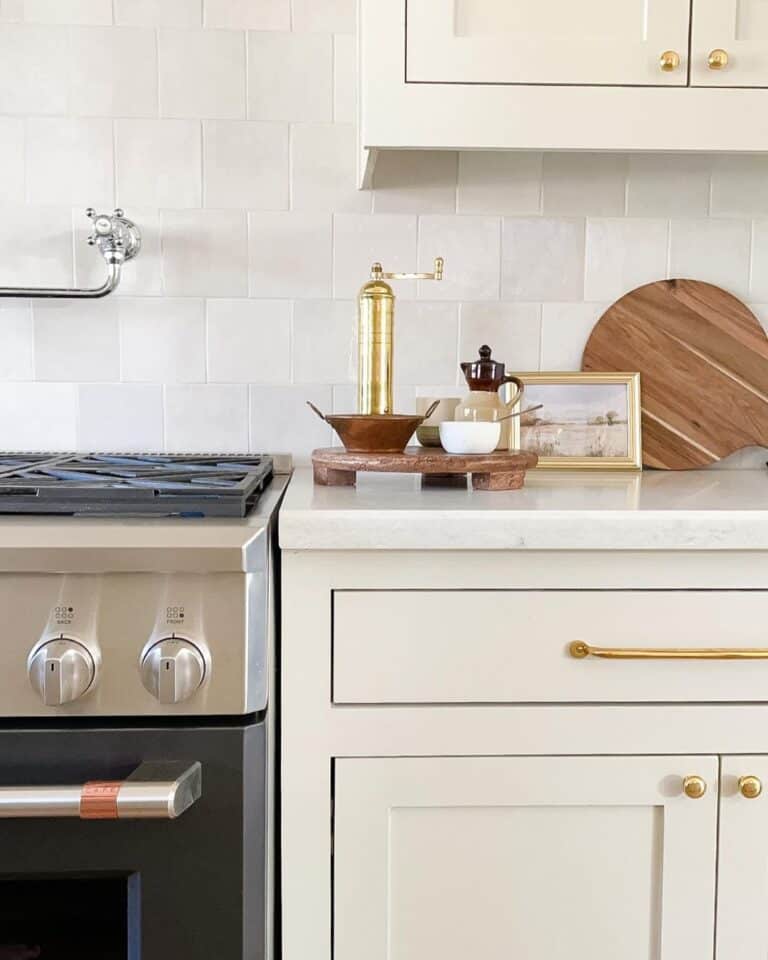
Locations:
{"points": [[133, 843]]}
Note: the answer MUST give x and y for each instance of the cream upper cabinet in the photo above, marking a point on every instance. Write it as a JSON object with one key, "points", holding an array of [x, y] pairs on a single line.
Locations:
{"points": [[548, 41], [729, 43], [546, 858], [562, 75]]}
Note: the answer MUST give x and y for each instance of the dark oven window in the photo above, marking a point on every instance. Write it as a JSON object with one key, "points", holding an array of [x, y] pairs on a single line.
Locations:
{"points": [[82, 917]]}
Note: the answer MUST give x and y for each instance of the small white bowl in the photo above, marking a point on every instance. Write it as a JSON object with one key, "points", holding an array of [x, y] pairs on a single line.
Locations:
{"points": [[467, 436]]}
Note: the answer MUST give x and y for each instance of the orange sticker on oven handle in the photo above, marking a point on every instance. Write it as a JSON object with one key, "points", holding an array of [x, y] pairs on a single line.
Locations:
{"points": [[98, 800]]}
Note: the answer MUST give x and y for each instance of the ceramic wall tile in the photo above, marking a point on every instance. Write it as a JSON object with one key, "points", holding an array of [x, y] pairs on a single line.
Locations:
{"points": [[76, 340], [740, 186], [324, 341], [471, 247], [506, 183], [93, 12], [323, 170], [668, 185], [281, 421], [113, 72], [248, 14], [205, 253], [290, 254], [158, 163], [33, 61], [324, 16], [70, 161], [624, 254], [35, 258], [249, 341], [512, 330], [188, 62], [11, 11], [17, 358], [415, 181], [359, 241], [717, 251], [344, 79], [542, 259], [207, 416], [125, 417], [758, 287], [12, 173], [290, 76], [426, 336], [565, 329], [176, 331], [159, 13], [584, 184], [38, 416], [245, 165]]}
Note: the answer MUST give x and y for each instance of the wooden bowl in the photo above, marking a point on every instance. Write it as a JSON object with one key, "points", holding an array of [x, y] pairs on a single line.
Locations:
{"points": [[374, 433]]}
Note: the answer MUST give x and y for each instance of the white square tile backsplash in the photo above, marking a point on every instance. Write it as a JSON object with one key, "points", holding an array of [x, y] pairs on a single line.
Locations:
{"points": [[226, 129], [158, 163]]}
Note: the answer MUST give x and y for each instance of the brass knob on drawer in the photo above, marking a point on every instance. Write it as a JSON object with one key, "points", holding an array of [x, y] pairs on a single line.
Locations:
{"points": [[669, 61], [694, 787], [750, 787], [718, 59]]}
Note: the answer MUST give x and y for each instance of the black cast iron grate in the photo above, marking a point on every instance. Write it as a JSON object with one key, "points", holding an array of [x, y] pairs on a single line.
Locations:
{"points": [[154, 485]]}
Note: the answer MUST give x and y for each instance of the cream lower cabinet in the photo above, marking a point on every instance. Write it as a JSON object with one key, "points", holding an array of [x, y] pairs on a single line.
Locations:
{"points": [[742, 903], [550, 858], [458, 784]]}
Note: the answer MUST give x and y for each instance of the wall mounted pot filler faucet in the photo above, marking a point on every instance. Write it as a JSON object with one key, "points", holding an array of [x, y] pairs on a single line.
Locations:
{"points": [[117, 239]]}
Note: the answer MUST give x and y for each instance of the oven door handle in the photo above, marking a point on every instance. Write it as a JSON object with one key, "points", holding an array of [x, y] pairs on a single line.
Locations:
{"points": [[154, 791]]}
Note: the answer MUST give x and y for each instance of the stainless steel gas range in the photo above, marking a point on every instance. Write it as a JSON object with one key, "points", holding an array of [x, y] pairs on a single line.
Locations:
{"points": [[137, 708]]}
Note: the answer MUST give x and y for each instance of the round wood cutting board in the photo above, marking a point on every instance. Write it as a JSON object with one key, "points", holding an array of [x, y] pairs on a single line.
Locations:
{"points": [[703, 362]]}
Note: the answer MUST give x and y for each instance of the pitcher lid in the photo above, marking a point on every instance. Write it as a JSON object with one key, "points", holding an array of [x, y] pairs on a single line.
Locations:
{"points": [[484, 373]]}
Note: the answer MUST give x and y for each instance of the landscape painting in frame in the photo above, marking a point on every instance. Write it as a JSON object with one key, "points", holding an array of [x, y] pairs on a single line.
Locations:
{"points": [[586, 420]]}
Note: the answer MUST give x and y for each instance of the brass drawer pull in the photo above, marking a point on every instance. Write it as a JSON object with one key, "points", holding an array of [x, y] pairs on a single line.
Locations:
{"points": [[579, 650]]}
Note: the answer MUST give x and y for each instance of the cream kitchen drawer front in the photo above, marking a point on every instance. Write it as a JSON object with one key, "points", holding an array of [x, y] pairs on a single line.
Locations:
{"points": [[513, 646], [541, 858]]}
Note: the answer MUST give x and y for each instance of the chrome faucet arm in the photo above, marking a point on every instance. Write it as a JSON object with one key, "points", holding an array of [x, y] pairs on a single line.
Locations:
{"points": [[118, 240]]}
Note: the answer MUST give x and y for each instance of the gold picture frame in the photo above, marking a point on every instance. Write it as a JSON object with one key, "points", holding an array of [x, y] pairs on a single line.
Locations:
{"points": [[596, 430]]}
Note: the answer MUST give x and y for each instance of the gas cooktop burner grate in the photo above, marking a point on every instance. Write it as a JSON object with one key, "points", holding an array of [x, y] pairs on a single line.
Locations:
{"points": [[153, 485]]}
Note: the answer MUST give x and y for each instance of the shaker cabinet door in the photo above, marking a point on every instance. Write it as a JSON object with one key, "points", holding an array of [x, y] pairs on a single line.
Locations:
{"points": [[729, 43], [608, 42], [547, 858], [742, 893]]}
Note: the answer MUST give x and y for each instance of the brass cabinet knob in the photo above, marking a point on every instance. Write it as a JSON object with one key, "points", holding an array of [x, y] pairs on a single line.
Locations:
{"points": [[694, 787], [750, 787], [718, 59], [669, 61]]}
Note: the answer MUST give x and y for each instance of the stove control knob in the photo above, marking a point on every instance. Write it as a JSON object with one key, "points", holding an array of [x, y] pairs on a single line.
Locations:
{"points": [[172, 669], [61, 671]]}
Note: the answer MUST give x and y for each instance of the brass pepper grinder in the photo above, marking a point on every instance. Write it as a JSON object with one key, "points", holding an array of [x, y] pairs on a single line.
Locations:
{"points": [[375, 337]]}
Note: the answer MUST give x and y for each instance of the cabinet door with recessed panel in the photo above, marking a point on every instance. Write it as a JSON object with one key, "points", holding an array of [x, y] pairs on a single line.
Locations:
{"points": [[542, 858], [729, 43], [607, 42], [742, 877]]}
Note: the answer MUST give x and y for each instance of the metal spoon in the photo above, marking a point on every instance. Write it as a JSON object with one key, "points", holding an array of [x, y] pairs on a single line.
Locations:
{"points": [[519, 413]]}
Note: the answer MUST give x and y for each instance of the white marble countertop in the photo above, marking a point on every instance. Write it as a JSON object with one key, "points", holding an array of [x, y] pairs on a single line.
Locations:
{"points": [[694, 510]]}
